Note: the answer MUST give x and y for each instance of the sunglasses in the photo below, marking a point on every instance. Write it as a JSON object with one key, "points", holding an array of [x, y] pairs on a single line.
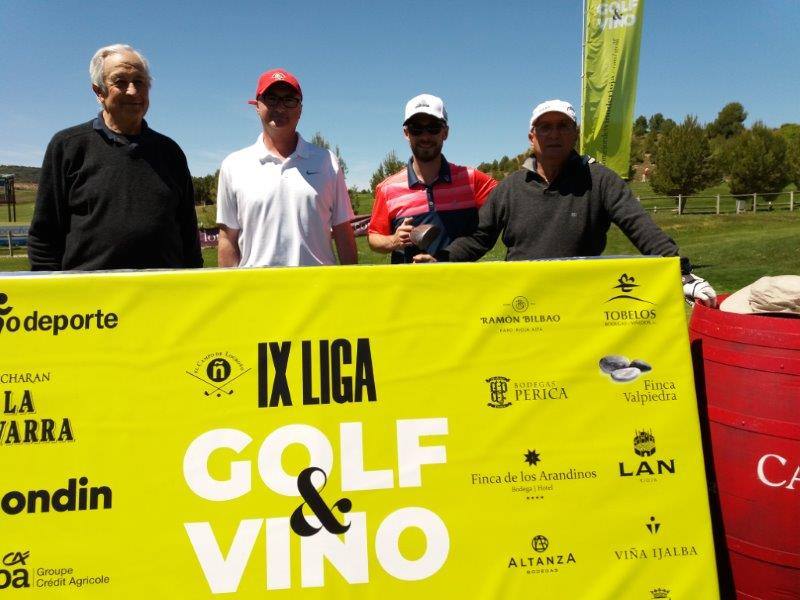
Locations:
{"points": [[433, 129], [287, 101]]}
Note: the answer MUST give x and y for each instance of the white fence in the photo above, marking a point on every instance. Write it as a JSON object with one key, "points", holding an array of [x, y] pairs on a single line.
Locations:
{"points": [[721, 203]]}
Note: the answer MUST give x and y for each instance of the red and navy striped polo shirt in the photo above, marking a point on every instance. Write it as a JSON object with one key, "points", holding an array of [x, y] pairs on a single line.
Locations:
{"points": [[451, 203]]}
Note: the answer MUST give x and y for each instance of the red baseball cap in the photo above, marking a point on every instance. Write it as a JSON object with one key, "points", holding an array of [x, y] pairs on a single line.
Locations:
{"points": [[275, 76]]}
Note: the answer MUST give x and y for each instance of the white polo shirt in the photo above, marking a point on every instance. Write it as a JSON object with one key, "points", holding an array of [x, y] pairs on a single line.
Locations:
{"points": [[284, 209]]}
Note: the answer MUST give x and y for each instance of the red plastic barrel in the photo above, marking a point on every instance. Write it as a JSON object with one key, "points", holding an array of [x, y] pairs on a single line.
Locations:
{"points": [[747, 370]]}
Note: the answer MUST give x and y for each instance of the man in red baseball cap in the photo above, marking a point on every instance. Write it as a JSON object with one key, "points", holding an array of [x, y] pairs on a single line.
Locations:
{"points": [[282, 200]]}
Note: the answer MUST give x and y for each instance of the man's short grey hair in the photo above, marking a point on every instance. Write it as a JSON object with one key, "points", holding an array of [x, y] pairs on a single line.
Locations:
{"points": [[97, 64]]}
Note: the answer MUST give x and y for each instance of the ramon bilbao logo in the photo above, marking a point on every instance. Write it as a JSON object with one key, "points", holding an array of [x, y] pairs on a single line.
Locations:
{"points": [[53, 323]]}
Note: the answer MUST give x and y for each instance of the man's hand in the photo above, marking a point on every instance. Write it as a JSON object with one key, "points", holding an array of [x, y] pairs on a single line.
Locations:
{"points": [[402, 236], [423, 258], [697, 288]]}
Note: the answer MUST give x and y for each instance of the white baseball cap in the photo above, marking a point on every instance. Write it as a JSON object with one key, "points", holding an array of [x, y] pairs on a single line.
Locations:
{"points": [[425, 104], [559, 106], [779, 294]]}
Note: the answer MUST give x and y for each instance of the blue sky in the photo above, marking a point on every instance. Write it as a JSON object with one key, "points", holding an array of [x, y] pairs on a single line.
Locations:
{"points": [[359, 62]]}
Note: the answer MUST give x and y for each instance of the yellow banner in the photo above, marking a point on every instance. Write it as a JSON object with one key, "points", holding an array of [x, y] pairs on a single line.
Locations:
{"points": [[612, 37], [512, 430]]}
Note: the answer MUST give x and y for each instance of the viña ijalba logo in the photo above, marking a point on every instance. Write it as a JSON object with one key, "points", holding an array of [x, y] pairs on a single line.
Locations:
{"points": [[13, 572], [498, 388], [55, 323]]}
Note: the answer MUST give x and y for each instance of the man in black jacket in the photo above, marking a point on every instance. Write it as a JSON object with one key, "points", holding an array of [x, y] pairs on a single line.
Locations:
{"points": [[113, 193], [561, 204]]}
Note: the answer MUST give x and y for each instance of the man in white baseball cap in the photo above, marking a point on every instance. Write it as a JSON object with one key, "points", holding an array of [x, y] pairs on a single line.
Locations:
{"points": [[429, 191], [561, 204]]}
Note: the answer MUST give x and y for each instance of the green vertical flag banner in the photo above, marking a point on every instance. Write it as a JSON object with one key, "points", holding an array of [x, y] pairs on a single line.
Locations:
{"points": [[612, 34]]}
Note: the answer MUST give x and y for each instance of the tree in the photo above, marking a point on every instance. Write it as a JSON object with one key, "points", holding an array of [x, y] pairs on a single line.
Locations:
{"points": [[205, 188], [757, 161], [684, 164], [655, 123], [640, 126], [793, 158], [791, 133], [389, 166], [729, 121], [318, 140], [651, 145]]}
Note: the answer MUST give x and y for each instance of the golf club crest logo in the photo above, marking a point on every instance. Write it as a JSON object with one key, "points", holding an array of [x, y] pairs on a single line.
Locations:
{"points": [[218, 371], [498, 388]]}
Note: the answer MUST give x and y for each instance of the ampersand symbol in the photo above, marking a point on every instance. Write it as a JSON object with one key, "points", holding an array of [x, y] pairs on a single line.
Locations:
{"points": [[314, 501]]}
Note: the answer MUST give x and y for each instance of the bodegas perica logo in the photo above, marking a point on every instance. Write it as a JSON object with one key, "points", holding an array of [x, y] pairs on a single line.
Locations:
{"points": [[498, 388], [37, 321], [218, 371]]}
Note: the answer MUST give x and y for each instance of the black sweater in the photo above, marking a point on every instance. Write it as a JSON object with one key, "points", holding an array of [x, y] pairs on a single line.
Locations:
{"points": [[570, 217], [104, 203]]}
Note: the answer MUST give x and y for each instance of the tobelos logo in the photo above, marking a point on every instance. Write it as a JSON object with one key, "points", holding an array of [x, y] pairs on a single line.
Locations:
{"points": [[54, 323], [626, 285], [498, 388]]}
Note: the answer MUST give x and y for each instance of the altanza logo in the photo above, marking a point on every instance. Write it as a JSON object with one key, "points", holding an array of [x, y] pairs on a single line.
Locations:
{"points": [[53, 323]]}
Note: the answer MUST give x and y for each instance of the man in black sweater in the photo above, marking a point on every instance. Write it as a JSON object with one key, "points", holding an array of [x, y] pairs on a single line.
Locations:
{"points": [[113, 193], [561, 205]]}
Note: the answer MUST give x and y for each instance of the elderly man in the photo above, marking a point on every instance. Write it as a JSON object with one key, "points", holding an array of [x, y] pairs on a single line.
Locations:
{"points": [[429, 190], [113, 193], [561, 204], [281, 200]]}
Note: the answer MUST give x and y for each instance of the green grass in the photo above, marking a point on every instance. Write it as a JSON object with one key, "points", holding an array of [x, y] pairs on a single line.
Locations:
{"points": [[728, 250]]}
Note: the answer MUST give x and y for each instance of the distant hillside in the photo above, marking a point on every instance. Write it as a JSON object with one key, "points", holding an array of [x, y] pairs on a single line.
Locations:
{"points": [[499, 169], [23, 174]]}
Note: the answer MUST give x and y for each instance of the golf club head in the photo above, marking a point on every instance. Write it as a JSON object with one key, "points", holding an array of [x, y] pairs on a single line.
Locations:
{"points": [[422, 236]]}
